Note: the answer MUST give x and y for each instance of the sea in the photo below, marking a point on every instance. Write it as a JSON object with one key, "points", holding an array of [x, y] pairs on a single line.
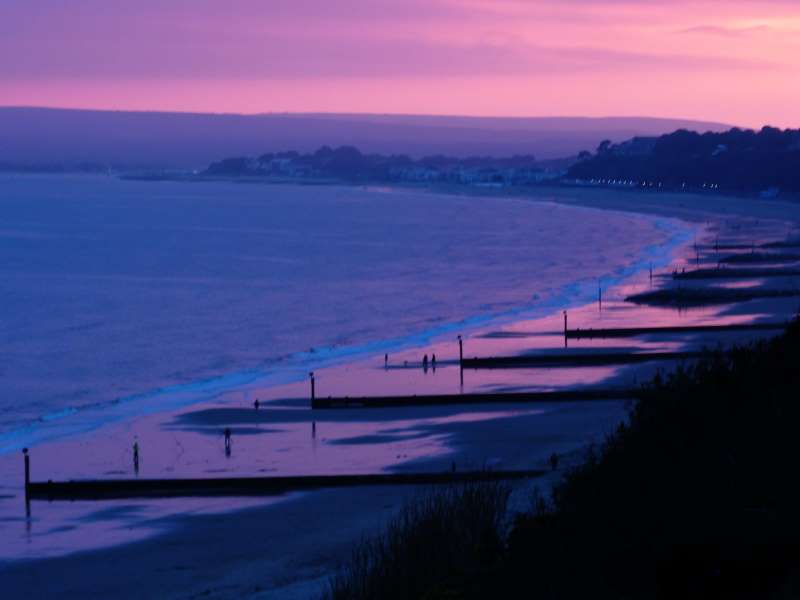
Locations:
{"points": [[121, 297]]}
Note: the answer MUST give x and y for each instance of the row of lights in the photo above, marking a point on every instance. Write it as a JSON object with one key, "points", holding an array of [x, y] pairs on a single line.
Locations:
{"points": [[652, 184]]}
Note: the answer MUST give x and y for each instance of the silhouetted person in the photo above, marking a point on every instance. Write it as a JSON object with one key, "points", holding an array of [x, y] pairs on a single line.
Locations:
{"points": [[425, 362], [313, 429], [136, 456], [554, 461], [227, 441], [433, 362], [256, 404], [385, 361]]}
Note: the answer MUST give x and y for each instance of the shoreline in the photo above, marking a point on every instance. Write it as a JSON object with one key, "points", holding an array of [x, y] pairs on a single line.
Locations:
{"points": [[530, 188], [248, 576], [294, 366]]}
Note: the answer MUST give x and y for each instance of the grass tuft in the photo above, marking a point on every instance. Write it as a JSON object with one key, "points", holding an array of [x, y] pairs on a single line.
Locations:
{"points": [[438, 539]]}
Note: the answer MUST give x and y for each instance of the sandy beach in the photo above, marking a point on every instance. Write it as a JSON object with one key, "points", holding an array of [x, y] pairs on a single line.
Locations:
{"points": [[287, 546]]}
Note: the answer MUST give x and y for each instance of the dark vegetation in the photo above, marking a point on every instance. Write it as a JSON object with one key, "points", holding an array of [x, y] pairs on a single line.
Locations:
{"points": [[736, 161], [445, 535], [695, 496], [347, 163]]}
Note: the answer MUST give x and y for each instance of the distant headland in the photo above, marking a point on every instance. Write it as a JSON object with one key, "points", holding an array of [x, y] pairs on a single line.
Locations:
{"points": [[737, 161], [742, 161]]}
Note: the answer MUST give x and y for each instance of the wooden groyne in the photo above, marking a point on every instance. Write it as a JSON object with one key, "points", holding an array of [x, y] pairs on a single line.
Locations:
{"points": [[593, 359], [109, 489], [724, 246], [783, 244], [622, 332], [688, 297], [760, 257], [459, 399], [735, 273], [752, 246]]}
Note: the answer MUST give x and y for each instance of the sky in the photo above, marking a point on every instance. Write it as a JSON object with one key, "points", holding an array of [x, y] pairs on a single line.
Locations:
{"points": [[735, 61]]}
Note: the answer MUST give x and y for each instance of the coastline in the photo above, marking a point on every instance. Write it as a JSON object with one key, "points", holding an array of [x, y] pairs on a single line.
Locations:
{"points": [[246, 572], [292, 368]]}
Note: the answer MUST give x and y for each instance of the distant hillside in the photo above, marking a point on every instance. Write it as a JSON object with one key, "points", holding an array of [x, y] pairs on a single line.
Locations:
{"points": [[38, 136], [737, 160]]}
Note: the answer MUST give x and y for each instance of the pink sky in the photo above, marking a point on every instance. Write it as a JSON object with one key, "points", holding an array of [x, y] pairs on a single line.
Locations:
{"points": [[736, 61]]}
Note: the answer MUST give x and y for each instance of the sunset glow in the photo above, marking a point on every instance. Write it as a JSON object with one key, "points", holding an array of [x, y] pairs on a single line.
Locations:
{"points": [[733, 61]]}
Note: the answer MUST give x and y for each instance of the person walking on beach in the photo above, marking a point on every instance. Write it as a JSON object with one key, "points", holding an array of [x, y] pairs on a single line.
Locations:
{"points": [[257, 404], [386, 361], [425, 363], [433, 362], [136, 457], [227, 441]]}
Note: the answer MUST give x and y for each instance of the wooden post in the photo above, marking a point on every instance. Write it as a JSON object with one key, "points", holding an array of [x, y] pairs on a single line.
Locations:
{"points": [[27, 488], [651, 272], [27, 470], [311, 376], [461, 364], [565, 323]]}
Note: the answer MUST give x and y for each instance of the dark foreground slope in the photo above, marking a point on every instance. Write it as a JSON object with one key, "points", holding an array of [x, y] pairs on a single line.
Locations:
{"points": [[695, 497]]}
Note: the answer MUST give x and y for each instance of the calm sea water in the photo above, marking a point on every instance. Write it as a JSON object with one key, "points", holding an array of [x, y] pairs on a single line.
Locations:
{"points": [[152, 293]]}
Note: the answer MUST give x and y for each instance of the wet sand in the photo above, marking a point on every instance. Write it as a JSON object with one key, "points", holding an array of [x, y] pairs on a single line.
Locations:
{"points": [[287, 546]]}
